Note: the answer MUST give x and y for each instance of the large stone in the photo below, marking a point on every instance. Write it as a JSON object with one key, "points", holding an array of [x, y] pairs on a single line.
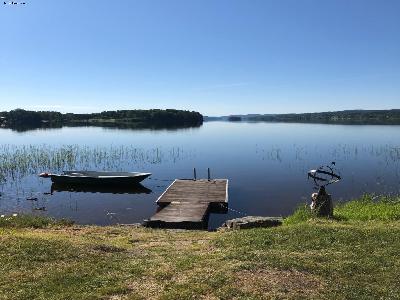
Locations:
{"points": [[321, 203], [252, 222]]}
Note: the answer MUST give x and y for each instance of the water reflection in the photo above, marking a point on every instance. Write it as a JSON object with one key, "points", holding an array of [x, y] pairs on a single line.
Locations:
{"points": [[105, 189], [127, 126]]}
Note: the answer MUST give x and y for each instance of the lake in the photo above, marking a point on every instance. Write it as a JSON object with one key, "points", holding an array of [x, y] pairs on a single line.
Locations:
{"points": [[266, 164]]}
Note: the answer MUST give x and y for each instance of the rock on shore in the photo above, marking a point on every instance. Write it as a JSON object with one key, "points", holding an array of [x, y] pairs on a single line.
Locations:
{"points": [[252, 222]]}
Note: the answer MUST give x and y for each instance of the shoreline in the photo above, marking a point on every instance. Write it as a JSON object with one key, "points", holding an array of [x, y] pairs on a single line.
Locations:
{"points": [[353, 255]]}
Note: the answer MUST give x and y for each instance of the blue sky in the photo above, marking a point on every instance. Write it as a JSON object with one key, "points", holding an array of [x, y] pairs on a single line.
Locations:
{"points": [[214, 56]]}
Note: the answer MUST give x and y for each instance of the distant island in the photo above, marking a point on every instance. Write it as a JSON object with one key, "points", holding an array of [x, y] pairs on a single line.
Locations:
{"points": [[383, 117], [21, 119]]}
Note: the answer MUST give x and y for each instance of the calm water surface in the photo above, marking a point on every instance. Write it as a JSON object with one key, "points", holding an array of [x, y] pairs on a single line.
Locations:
{"points": [[266, 164]]}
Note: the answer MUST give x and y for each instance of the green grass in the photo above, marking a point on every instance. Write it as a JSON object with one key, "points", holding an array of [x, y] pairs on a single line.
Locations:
{"points": [[301, 214], [23, 221], [352, 256], [365, 208], [368, 207], [332, 260]]}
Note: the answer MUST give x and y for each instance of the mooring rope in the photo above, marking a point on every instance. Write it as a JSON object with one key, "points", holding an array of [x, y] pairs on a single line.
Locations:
{"points": [[236, 211], [158, 179]]}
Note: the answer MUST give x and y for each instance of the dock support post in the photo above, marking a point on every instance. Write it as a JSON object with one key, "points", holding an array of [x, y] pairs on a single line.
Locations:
{"points": [[194, 174], [208, 171]]}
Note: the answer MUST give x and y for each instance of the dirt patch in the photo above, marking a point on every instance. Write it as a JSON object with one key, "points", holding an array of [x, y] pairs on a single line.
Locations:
{"points": [[271, 283], [146, 289]]}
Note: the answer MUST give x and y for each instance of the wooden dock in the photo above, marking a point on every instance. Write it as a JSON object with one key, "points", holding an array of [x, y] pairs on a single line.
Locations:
{"points": [[187, 203]]}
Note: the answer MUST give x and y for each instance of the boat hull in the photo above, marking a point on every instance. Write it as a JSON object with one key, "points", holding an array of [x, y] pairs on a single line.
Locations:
{"points": [[99, 178]]}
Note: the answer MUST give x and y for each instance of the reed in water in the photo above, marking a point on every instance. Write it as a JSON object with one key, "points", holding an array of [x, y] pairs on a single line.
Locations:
{"points": [[19, 161]]}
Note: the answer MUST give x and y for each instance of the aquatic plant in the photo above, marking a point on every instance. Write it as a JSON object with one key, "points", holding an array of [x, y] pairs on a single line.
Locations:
{"points": [[389, 154], [19, 161], [2, 178]]}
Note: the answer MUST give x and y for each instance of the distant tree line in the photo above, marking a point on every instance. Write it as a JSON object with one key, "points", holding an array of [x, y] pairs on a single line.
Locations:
{"points": [[20, 117], [343, 117], [234, 119], [150, 118]]}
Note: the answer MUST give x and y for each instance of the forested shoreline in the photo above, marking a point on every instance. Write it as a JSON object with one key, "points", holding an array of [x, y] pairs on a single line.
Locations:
{"points": [[153, 118], [340, 117]]}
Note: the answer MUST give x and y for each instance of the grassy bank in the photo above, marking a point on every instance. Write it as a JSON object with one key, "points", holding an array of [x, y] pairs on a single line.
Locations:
{"points": [[353, 256]]}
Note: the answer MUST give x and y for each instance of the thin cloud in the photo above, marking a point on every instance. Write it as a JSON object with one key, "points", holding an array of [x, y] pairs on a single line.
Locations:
{"points": [[223, 86]]}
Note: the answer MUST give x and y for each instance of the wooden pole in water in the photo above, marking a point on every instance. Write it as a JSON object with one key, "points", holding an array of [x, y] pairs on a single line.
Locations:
{"points": [[194, 174], [208, 171]]}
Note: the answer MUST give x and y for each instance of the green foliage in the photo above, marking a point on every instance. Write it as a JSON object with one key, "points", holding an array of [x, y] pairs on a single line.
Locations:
{"points": [[22, 119], [366, 208], [369, 207], [23, 221], [343, 117], [168, 117], [302, 214]]}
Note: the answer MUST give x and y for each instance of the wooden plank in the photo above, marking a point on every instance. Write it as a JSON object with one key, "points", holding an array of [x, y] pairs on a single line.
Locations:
{"points": [[182, 212], [196, 191], [186, 203]]}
